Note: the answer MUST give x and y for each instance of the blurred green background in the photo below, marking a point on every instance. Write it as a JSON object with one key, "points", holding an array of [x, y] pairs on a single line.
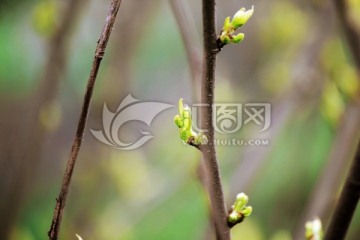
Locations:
{"points": [[294, 56]]}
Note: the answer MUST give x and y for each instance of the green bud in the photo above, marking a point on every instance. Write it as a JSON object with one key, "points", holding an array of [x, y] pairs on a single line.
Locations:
{"points": [[240, 202], [184, 122], [181, 107], [313, 230], [246, 211], [178, 121], [238, 38], [185, 135], [241, 17], [227, 34], [239, 210], [227, 24], [225, 39], [187, 117], [234, 217]]}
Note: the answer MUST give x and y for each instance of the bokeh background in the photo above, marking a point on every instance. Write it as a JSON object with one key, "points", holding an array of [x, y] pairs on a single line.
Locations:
{"points": [[294, 56]]}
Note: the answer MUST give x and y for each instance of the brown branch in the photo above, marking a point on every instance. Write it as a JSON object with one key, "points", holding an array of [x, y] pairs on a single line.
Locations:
{"points": [[99, 54], [346, 205], [322, 196], [216, 196], [350, 193], [188, 33]]}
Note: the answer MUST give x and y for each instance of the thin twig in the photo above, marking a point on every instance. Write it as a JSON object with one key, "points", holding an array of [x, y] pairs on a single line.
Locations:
{"points": [[99, 54], [207, 97], [346, 205]]}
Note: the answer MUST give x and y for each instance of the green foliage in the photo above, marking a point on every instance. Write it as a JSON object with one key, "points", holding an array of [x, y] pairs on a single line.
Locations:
{"points": [[342, 83], [45, 17], [280, 40], [285, 24], [278, 177], [180, 217], [18, 51], [354, 9]]}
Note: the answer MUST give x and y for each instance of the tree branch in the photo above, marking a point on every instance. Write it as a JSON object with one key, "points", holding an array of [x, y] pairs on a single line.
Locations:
{"points": [[207, 97], [99, 54], [188, 33], [350, 193], [346, 205]]}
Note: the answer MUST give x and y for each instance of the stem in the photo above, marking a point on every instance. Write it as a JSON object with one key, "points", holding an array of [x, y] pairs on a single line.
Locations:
{"points": [[188, 33], [207, 97], [99, 54], [346, 205]]}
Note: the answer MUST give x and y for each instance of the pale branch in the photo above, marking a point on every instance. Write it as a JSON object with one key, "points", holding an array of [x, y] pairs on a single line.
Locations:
{"points": [[188, 34], [216, 195], [99, 54]]}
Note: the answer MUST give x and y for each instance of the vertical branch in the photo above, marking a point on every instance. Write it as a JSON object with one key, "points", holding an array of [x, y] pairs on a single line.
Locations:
{"points": [[350, 193], [322, 194], [99, 54], [188, 33], [207, 97], [348, 200]]}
